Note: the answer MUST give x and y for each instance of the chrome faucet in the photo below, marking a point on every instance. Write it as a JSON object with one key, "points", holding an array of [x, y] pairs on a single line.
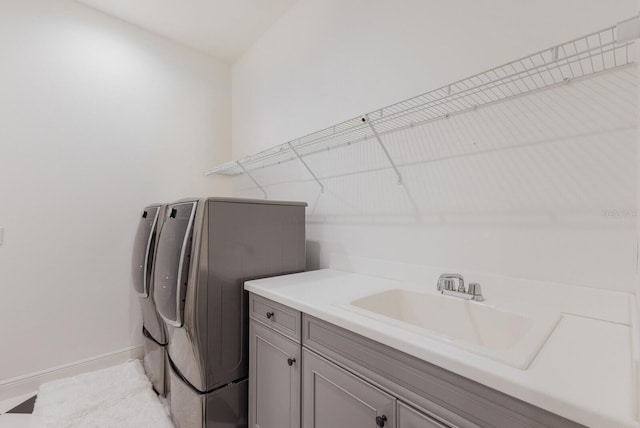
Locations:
{"points": [[447, 286]]}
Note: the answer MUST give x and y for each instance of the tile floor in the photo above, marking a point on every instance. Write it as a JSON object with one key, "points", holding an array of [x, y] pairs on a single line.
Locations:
{"points": [[16, 412], [15, 420]]}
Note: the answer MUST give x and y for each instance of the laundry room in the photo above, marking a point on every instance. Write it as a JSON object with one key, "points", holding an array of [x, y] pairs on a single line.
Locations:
{"points": [[319, 213]]}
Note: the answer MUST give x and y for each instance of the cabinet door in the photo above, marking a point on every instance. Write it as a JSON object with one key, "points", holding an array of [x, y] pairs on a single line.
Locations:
{"points": [[411, 418], [274, 379], [334, 398]]}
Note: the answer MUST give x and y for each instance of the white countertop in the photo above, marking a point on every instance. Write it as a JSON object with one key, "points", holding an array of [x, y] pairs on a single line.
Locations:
{"points": [[583, 372]]}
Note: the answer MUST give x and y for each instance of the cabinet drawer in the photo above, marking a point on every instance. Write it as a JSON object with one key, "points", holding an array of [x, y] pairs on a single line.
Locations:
{"points": [[279, 317], [410, 418]]}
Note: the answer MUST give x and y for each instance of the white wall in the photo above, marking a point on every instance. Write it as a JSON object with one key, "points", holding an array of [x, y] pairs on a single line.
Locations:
{"points": [[97, 119], [636, 340], [533, 207]]}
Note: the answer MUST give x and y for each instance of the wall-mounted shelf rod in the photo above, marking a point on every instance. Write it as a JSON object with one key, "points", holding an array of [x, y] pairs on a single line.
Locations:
{"points": [[583, 57]]}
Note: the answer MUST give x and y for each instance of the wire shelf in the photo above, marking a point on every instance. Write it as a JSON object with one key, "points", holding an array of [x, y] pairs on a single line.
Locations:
{"points": [[583, 57]]}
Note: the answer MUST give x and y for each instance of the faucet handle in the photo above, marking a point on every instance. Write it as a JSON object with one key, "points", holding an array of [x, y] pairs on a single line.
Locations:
{"points": [[476, 291], [449, 284], [447, 281]]}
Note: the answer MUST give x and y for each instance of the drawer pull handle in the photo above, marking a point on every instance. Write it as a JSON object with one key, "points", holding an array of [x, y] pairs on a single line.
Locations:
{"points": [[290, 361], [380, 420], [270, 315]]}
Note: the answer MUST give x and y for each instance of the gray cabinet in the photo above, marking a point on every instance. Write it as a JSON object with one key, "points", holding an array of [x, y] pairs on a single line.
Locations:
{"points": [[450, 398], [411, 418], [349, 381], [334, 398], [274, 379]]}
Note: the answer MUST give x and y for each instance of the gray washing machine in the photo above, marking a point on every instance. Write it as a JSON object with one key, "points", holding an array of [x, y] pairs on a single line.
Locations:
{"points": [[153, 329], [207, 249]]}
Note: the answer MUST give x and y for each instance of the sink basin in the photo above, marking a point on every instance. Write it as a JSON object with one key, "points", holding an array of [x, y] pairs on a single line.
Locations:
{"points": [[504, 336]]}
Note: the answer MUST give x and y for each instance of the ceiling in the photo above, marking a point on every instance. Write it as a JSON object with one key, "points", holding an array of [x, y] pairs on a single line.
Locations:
{"points": [[224, 29]]}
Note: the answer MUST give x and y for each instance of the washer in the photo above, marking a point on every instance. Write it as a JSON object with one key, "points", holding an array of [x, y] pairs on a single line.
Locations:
{"points": [[153, 329], [207, 249]]}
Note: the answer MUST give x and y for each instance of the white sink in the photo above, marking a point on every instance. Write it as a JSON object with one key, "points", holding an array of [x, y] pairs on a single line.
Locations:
{"points": [[508, 337]]}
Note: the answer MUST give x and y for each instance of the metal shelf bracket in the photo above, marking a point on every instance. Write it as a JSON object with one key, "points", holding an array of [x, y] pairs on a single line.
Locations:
{"points": [[366, 119], [295, 152], [252, 179]]}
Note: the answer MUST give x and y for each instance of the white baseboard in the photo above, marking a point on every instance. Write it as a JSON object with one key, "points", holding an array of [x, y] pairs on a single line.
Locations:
{"points": [[29, 383]]}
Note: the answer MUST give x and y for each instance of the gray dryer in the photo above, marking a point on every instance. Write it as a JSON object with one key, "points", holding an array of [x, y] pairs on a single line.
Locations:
{"points": [[207, 249]]}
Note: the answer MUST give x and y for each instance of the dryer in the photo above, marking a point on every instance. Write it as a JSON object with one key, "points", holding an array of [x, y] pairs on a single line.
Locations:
{"points": [[207, 249], [153, 329]]}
